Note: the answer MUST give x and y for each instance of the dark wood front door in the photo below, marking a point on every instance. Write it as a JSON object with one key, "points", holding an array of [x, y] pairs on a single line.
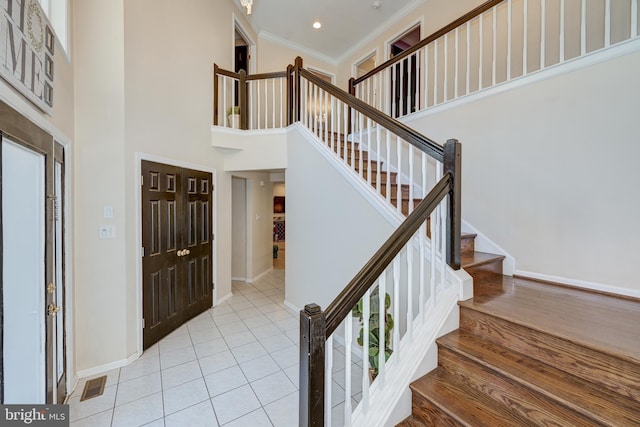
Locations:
{"points": [[177, 242]]}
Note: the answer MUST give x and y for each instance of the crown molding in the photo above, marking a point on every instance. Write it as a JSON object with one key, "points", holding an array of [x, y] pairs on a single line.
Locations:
{"points": [[294, 46]]}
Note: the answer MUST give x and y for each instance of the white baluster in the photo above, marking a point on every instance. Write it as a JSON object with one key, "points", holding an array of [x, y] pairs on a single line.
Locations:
{"points": [[435, 72], [607, 23], [543, 33], [562, 27], [583, 28], [445, 91], [398, 187], [509, 37], [366, 314], [333, 127], [328, 379], [481, 52], [382, 338], [353, 137], [315, 110], [273, 103], [410, 290], [422, 232], [634, 18], [525, 38], [258, 113], [443, 233], [379, 158], [396, 307], [224, 101], [495, 45], [411, 160], [388, 178], [426, 76], [345, 124], [468, 89], [348, 345], [456, 71], [369, 150], [433, 246], [393, 72], [282, 103], [360, 147]]}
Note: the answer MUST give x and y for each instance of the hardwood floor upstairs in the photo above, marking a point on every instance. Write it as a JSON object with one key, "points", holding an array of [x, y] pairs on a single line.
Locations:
{"points": [[535, 354]]}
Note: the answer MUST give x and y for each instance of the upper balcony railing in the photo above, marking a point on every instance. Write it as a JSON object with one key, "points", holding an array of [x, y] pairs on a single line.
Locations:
{"points": [[256, 101], [499, 41]]}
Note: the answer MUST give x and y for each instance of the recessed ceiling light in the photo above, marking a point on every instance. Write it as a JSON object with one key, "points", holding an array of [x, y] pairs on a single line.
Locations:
{"points": [[317, 25]]}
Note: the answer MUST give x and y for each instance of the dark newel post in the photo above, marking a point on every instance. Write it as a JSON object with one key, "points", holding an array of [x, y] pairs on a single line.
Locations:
{"points": [[243, 99], [312, 342], [289, 94], [453, 165], [297, 83], [215, 94]]}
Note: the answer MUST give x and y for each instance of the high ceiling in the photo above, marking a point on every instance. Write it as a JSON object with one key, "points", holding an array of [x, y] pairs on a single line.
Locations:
{"points": [[345, 23]]}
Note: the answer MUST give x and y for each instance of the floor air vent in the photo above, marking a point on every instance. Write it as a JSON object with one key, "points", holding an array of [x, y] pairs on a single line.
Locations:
{"points": [[94, 388]]}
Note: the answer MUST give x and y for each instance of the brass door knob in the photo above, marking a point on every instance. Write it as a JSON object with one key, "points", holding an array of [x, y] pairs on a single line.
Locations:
{"points": [[52, 309]]}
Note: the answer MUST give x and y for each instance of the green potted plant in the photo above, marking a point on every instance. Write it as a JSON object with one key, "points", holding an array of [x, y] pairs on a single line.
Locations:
{"points": [[233, 117], [374, 329]]}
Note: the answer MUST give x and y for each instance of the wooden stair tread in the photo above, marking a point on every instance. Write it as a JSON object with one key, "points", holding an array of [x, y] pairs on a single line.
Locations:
{"points": [[579, 396], [477, 259], [465, 405], [600, 322]]}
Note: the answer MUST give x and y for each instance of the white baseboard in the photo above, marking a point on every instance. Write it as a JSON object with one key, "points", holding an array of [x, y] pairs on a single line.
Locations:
{"points": [[107, 366], [260, 276], [224, 298], [239, 279], [593, 286], [291, 307]]}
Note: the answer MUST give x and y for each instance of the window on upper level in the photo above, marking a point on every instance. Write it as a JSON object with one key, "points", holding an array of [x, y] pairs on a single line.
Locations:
{"points": [[58, 13]]}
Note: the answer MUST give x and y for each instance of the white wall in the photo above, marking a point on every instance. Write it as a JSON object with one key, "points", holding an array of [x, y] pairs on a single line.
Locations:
{"points": [[331, 229], [99, 265], [239, 229], [550, 172], [274, 56], [143, 84]]}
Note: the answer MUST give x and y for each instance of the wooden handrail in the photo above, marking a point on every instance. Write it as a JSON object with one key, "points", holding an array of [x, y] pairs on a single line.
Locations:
{"points": [[267, 76], [441, 32], [413, 137], [366, 277]]}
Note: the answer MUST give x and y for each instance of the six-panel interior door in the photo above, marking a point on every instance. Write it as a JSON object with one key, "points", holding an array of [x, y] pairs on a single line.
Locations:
{"points": [[176, 237]]}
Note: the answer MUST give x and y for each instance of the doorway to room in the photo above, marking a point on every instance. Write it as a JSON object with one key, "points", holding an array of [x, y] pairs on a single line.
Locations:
{"points": [[32, 291], [404, 75]]}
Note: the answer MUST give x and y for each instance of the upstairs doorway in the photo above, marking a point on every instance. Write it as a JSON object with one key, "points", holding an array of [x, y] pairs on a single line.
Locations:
{"points": [[404, 75]]}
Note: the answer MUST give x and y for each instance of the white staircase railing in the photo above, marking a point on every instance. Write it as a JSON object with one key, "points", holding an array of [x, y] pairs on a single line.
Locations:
{"points": [[495, 43]]}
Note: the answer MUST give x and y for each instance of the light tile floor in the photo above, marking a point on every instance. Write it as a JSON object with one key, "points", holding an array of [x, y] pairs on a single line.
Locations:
{"points": [[234, 365]]}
